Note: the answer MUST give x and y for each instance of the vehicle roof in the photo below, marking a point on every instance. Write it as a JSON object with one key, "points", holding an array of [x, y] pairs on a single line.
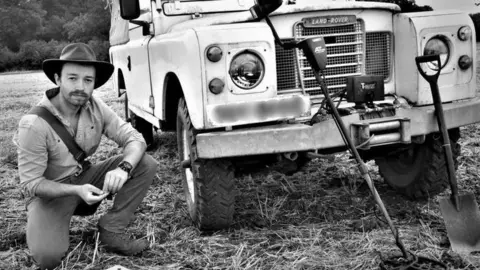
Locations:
{"points": [[284, 9], [334, 5]]}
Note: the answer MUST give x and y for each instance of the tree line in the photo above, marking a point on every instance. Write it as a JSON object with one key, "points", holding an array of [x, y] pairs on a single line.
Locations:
{"points": [[34, 30]]}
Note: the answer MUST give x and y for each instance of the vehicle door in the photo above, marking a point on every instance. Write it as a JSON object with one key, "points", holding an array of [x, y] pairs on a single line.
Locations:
{"points": [[138, 84]]}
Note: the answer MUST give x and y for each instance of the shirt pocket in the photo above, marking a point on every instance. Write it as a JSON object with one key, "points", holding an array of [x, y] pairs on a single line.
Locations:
{"points": [[92, 138], [57, 150]]}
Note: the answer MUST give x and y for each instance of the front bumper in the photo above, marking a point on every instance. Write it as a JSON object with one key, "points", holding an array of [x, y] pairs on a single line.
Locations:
{"points": [[301, 137]]}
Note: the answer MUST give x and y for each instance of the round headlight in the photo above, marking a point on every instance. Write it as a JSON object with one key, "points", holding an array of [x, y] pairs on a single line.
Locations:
{"points": [[437, 45], [247, 70], [465, 33]]}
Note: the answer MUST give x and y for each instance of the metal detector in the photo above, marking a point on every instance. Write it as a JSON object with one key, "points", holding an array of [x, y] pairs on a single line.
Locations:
{"points": [[315, 51]]}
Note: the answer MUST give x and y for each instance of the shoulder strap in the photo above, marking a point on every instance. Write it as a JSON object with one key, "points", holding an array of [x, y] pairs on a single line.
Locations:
{"points": [[60, 129]]}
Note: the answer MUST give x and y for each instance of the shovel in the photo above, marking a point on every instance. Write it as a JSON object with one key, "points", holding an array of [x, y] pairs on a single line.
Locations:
{"points": [[460, 212]]}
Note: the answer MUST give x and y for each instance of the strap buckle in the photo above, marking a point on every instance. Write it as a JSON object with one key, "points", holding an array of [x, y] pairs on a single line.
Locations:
{"points": [[84, 166], [80, 156]]}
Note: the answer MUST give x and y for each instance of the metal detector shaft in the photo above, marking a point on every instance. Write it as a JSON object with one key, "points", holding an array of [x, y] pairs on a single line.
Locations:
{"points": [[361, 165]]}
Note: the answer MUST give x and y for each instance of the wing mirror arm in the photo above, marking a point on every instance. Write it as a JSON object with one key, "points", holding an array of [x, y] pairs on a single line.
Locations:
{"points": [[286, 45], [144, 24], [261, 10]]}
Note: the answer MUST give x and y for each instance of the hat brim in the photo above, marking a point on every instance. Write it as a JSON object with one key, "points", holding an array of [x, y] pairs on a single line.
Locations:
{"points": [[103, 70]]}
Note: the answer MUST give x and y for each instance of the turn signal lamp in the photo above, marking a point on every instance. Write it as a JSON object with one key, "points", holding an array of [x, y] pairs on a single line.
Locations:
{"points": [[214, 54], [216, 86], [465, 33], [465, 62]]}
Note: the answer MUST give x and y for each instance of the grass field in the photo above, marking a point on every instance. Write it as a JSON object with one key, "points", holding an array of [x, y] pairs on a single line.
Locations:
{"points": [[322, 217]]}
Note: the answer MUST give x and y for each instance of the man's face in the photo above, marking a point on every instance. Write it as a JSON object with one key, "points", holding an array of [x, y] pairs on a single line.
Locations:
{"points": [[76, 83]]}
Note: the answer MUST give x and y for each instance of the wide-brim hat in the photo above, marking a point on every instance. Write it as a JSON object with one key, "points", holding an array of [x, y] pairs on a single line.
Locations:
{"points": [[82, 54]]}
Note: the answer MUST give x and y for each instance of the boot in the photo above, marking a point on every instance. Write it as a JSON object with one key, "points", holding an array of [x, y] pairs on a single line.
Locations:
{"points": [[121, 243]]}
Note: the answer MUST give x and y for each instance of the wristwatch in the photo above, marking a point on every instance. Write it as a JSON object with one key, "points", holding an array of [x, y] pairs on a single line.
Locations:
{"points": [[126, 166]]}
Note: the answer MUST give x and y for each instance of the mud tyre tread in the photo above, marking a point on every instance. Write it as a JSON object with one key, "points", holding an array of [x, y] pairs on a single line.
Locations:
{"points": [[432, 176], [214, 183], [215, 194]]}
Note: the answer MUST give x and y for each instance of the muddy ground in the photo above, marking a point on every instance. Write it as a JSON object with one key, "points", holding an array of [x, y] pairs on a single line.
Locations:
{"points": [[321, 217]]}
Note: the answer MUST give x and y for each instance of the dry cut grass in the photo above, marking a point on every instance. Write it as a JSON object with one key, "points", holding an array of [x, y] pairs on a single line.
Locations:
{"points": [[322, 217]]}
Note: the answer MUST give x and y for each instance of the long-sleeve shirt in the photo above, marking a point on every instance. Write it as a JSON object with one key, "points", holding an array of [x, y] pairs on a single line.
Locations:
{"points": [[42, 153]]}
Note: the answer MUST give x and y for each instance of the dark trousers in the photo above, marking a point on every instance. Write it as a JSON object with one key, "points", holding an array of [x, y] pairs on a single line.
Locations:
{"points": [[48, 220]]}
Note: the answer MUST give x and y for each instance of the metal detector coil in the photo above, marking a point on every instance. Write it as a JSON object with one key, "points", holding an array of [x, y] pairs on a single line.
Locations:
{"points": [[413, 263]]}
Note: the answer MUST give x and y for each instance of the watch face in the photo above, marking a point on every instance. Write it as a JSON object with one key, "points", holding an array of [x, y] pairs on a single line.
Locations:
{"points": [[125, 166]]}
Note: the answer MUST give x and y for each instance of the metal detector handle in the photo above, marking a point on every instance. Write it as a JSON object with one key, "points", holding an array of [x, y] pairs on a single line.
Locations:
{"points": [[428, 58]]}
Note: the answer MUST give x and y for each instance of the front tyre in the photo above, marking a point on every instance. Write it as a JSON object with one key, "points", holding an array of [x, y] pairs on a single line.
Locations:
{"points": [[208, 184], [421, 170]]}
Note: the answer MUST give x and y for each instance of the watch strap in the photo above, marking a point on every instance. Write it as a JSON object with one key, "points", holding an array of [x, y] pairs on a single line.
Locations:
{"points": [[126, 166]]}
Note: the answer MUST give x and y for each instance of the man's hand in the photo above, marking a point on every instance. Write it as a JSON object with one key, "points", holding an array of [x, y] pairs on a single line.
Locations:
{"points": [[91, 194], [114, 180]]}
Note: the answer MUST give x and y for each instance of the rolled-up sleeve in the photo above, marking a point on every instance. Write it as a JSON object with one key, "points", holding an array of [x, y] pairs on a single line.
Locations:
{"points": [[116, 129], [32, 154]]}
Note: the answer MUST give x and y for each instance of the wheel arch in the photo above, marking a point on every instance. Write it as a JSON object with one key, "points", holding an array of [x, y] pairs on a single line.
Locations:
{"points": [[173, 91], [121, 87]]}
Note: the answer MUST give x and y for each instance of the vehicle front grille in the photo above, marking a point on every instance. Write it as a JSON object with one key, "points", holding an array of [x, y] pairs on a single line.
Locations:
{"points": [[350, 52], [287, 75], [378, 60]]}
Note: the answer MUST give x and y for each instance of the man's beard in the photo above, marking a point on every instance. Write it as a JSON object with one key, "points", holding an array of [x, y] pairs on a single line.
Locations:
{"points": [[75, 95]]}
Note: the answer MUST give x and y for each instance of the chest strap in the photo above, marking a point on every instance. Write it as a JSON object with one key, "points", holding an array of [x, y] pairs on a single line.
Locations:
{"points": [[61, 131]]}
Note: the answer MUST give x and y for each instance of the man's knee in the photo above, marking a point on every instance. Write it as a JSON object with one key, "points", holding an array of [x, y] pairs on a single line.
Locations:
{"points": [[150, 163], [48, 258], [146, 168]]}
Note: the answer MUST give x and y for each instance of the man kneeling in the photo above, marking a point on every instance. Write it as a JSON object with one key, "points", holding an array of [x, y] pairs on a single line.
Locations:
{"points": [[60, 185]]}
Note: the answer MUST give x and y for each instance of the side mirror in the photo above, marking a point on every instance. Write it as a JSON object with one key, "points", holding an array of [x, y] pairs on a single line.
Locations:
{"points": [[263, 8], [129, 9]]}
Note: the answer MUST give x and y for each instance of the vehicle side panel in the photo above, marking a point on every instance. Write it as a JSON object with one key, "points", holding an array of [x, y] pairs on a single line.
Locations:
{"points": [[178, 53]]}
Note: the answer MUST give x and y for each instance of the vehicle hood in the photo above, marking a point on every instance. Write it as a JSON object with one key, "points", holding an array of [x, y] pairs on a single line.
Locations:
{"points": [[245, 16]]}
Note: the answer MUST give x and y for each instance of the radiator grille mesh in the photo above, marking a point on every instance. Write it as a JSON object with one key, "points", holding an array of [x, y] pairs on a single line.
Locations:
{"points": [[287, 76], [378, 46], [350, 51], [345, 52]]}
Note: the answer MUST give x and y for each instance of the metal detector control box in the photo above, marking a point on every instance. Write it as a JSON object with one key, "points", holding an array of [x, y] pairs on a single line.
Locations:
{"points": [[365, 89], [316, 52]]}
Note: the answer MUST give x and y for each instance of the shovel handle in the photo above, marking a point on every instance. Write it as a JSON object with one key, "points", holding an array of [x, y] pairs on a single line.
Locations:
{"points": [[437, 103], [428, 58]]}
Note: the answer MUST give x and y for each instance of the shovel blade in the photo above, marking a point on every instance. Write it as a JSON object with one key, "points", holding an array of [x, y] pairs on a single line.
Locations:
{"points": [[463, 227]]}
